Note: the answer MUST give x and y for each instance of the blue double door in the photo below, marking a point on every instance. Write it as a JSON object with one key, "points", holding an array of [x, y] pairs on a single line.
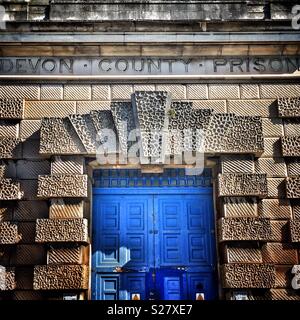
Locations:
{"points": [[153, 245]]}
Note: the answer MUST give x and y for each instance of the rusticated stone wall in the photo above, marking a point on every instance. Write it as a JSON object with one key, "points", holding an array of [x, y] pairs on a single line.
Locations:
{"points": [[47, 221]]}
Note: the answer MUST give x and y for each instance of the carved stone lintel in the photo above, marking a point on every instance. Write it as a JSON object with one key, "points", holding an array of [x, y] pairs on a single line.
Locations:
{"points": [[248, 276], [242, 184], [60, 277], [63, 185], [61, 230]]}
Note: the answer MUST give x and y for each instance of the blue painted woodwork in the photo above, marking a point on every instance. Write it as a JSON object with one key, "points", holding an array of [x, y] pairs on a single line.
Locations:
{"points": [[155, 241]]}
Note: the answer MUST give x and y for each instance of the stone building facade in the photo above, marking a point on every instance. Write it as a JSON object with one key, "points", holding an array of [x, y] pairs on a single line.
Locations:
{"points": [[71, 68]]}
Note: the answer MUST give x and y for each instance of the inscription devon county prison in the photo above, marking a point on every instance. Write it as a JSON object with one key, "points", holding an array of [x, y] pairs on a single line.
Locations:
{"points": [[147, 65]]}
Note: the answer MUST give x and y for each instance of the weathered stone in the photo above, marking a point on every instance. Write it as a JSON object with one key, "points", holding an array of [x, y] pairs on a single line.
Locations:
{"points": [[65, 256], [7, 278], [242, 254], [239, 184], [66, 209], [275, 209], [28, 255], [279, 253], [60, 277], [280, 231], [290, 146], [9, 233], [10, 190], [237, 164], [273, 167], [244, 229], [63, 185], [240, 207], [67, 165], [295, 230], [61, 230], [44, 109], [293, 187], [248, 276], [59, 137], [289, 107], [11, 108], [9, 148]]}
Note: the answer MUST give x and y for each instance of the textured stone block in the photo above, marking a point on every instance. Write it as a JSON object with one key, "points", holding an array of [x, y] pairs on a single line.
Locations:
{"points": [[123, 117], [83, 107], [10, 190], [6, 214], [8, 169], [239, 184], [60, 277], [289, 107], [77, 92], [28, 254], [28, 91], [59, 137], [272, 127], [277, 294], [240, 207], [8, 129], [290, 146], [279, 231], [60, 186], [218, 106], [279, 253], [30, 188], [30, 129], [295, 230], [31, 210], [41, 109], [272, 148], [32, 169], [197, 91], [276, 188], [237, 164], [244, 229], [248, 276], [249, 91], [273, 167], [9, 233], [228, 133], [293, 187], [51, 92], [143, 87], [67, 165], [7, 279], [61, 230], [83, 125], [177, 91], [262, 108], [283, 277], [100, 92], [293, 167], [24, 277], [9, 148], [291, 127], [28, 295], [66, 209], [275, 209], [242, 254], [122, 91], [31, 150], [27, 232], [229, 91], [65, 256], [279, 90]]}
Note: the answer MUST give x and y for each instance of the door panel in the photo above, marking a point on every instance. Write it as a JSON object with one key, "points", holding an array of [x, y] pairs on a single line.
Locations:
{"points": [[153, 246]]}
